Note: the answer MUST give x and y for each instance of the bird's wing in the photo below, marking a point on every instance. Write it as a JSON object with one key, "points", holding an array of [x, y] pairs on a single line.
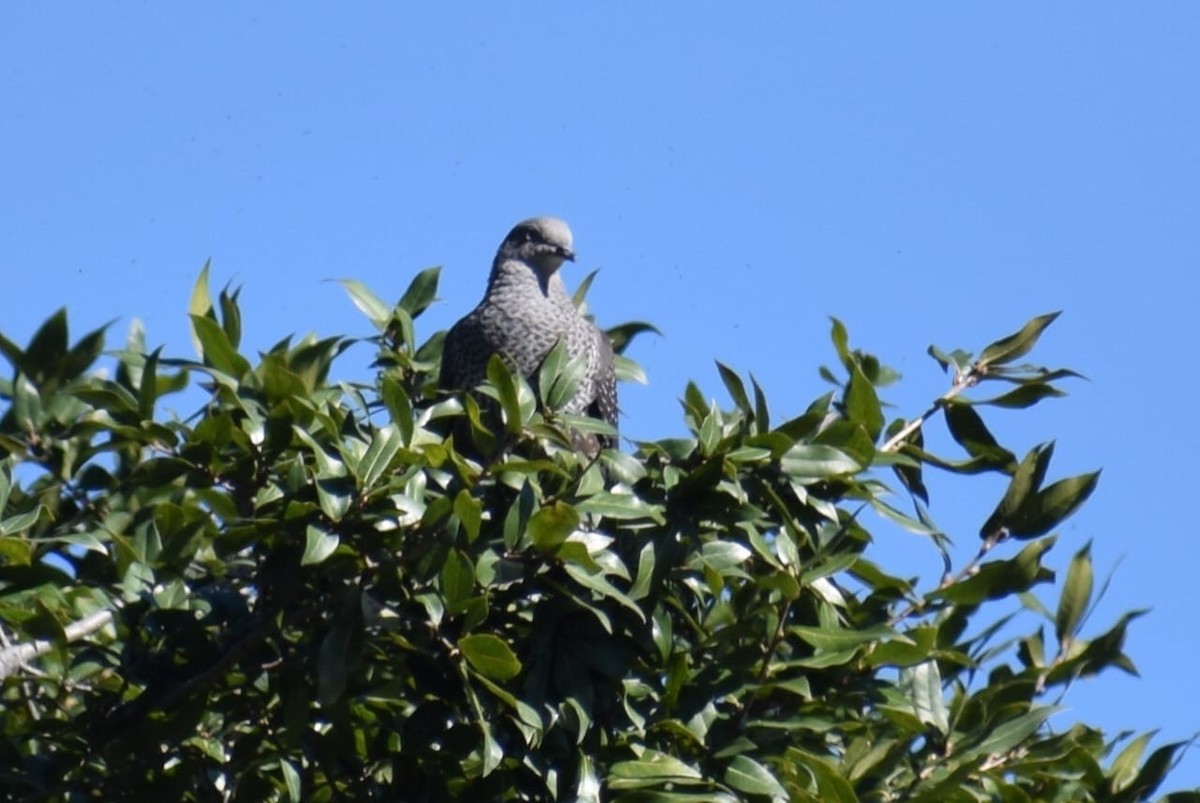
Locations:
{"points": [[456, 354], [604, 405]]}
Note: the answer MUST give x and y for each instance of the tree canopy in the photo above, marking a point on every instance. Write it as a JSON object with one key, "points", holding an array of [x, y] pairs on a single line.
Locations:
{"points": [[307, 590]]}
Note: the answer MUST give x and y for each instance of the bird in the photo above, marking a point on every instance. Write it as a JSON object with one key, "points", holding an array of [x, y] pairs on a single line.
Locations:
{"points": [[524, 312]]}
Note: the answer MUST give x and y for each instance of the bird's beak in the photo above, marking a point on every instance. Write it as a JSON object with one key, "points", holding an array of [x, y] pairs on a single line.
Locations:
{"points": [[567, 254]]}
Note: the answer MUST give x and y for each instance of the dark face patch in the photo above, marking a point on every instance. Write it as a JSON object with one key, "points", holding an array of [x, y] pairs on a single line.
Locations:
{"points": [[524, 234]]}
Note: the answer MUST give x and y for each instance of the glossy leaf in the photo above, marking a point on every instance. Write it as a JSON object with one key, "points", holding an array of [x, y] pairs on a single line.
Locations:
{"points": [[215, 349], [1076, 595], [302, 587], [1025, 481], [421, 292], [505, 383], [550, 526], [735, 386], [490, 656], [377, 312], [318, 545], [747, 775], [814, 461], [624, 334], [1019, 343], [862, 403]]}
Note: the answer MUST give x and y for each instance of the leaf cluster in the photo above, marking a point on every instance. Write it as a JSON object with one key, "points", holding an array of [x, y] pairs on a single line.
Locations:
{"points": [[307, 591]]}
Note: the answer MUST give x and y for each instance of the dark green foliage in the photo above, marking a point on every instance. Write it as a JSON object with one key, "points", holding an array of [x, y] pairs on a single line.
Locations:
{"points": [[304, 592]]}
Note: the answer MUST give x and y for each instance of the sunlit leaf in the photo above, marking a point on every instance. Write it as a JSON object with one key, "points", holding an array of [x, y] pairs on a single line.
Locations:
{"points": [[1019, 343], [747, 775], [490, 656], [371, 305], [1076, 595]]}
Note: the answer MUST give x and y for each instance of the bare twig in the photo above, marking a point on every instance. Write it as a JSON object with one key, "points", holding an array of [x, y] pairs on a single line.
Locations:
{"points": [[18, 655], [963, 381], [948, 580]]}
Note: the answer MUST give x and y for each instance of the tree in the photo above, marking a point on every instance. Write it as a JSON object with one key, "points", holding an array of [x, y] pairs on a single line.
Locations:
{"points": [[304, 592]]}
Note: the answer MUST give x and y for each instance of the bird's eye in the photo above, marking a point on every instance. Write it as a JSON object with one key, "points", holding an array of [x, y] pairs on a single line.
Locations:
{"points": [[528, 235]]}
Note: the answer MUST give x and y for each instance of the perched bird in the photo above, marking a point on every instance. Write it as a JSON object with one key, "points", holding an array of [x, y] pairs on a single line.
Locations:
{"points": [[524, 312]]}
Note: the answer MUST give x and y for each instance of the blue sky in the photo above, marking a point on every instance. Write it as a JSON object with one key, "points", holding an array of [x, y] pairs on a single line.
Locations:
{"points": [[928, 173]]}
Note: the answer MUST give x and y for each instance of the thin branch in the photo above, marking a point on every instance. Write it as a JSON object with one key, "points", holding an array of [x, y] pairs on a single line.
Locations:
{"points": [[18, 655], [916, 606], [963, 381]]}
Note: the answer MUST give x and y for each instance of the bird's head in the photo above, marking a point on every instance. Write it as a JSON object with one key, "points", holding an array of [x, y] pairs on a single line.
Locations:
{"points": [[544, 243]]}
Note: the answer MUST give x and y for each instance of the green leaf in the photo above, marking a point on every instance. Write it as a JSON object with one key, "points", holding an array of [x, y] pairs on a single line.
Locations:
{"points": [[83, 354], [1155, 769], [851, 438], [1076, 595], [653, 765], [622, 335], [1125, 766], [1000, 578], [385, 445], [831, 786], [490, 656], [923, 684], [371, 305], [969, 431], [421, 292], [505, 383], [862, 403], [148, 387], [318, 545], [339, 648], [552, 365], [762, 415], [815, 461], [1026, 480], [914, 648], [5, 486], [560, 376], [628, 370], [549, 527], [469, 512], [215, 349], [722, 556], [1006, 735], [291, 780], [26, 404], [493, 753], [830, 639], [581, 291], [402, 329], [958, 360], [12, 352], [335, 496], [15, 551], [458, 580], [597, 583], [1051, 506], [1104, 651], [736, 388], [619, 506], [47, 348], [1024, 396], [231, 317], [645, 573], [841, 343], [1018, 344], [747, 775], [399, 406], [200, 304]]}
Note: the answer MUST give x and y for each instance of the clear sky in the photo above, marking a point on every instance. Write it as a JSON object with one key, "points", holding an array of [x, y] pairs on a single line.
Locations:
{"points": [[929, 173]]}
